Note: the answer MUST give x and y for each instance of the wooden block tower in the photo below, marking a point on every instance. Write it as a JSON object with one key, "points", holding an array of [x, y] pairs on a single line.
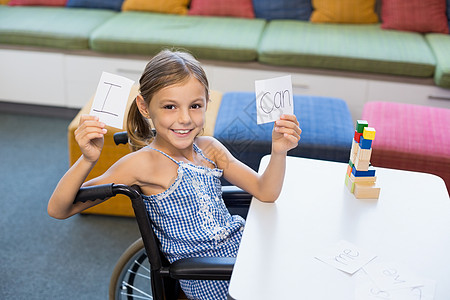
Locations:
{"points": [[360, 178]]}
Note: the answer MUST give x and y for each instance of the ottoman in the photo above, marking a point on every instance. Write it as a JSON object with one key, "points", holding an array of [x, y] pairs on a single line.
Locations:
{"points": [[410, 137], [326, 123], [121, 205]]}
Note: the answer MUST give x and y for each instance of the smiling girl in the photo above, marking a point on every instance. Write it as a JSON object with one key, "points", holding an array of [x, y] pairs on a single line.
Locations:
{"points": [[178, 170]]}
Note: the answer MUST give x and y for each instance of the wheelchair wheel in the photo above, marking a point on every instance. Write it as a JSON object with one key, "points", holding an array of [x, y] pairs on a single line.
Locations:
{"points": [[131, 275]]}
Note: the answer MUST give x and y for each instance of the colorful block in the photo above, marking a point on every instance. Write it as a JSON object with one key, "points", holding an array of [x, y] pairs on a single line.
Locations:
{"points": [[357, 136], [369, 133], [349, 170], [349, 183], [365, 144], [360, 125], [369, 173]]}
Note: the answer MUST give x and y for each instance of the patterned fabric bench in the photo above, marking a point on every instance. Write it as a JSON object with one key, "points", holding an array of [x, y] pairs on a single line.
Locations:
{"points": [[410, 137]]}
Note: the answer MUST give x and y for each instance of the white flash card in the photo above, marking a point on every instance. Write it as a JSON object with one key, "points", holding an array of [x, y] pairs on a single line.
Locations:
{"points": [[273, 98], [110, 100], [369, 291], [388, 276], [346, 257]]}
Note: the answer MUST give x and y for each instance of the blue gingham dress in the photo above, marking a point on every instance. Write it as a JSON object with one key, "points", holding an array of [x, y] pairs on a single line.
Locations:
{"points": [[190, 219]]}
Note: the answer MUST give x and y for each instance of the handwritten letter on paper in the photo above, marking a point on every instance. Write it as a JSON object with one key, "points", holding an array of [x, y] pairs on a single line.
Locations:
{"points": [[111, 99], [273, 98], [346, 257]]}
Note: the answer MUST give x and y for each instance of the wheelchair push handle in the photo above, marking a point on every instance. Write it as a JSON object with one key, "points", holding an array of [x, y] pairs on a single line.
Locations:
{"points": [[104, 191]]}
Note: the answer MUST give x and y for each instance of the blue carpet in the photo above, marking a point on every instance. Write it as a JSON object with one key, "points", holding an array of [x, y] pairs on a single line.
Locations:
{"points": [[40, 257]]}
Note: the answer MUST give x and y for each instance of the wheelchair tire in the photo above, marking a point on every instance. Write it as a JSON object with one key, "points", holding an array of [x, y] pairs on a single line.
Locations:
{"points": [[131, 275]]}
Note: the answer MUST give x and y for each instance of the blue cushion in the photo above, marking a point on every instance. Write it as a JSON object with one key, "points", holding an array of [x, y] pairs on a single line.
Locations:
{"points": [[326, 123], [282, 9], [102, 4]]}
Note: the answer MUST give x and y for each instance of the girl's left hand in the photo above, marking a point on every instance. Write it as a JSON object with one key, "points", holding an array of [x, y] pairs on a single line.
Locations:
{"points": [[286, 134]]}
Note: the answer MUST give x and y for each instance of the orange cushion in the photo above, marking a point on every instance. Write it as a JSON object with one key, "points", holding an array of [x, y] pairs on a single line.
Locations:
{"points": [[344, 11], [415, 15], [157, 6], [231, 8]]}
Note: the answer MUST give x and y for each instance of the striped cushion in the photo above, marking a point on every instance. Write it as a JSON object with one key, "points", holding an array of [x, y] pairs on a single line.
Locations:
{"points": [[365, 48], [415, 15], [231, 8], [283, 9], [326, 123], [440, 44], [410, 137], [344, 11], [102, 4], [38, 2], [218, 38], [56, 27]]}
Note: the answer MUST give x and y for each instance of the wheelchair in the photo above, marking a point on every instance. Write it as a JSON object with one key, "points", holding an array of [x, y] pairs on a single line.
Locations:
{"points": [[142, 271]]}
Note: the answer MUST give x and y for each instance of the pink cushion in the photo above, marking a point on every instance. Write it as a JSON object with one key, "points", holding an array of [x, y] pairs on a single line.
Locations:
{"points": [[410, 137], [38, 2], [415, 15], [230, 8]]}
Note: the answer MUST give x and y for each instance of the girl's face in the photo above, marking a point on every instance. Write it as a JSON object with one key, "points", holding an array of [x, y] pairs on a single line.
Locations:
{"points": [[178, 113]]}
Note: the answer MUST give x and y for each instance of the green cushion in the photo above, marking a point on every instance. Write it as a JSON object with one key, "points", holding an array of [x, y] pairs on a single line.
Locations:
{"points": [[57, 27], [440, 45], [366, 48], [147, 33]]}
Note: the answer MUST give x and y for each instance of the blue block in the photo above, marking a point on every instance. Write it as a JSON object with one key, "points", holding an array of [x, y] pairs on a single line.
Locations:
{"points": [[326, 123], [369, 173], [364, 143]]}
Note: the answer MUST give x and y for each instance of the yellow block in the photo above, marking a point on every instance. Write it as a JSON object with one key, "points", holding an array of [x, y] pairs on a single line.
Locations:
{"points": [[121, 205], [369, 133]]}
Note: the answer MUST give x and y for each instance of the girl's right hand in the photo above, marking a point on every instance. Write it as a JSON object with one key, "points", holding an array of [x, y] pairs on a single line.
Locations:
{"points": [[89, 136]]}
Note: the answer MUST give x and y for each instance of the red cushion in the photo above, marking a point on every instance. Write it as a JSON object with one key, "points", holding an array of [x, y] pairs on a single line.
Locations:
{"points": [[231, 8], [410, 137], [38, 2], [415, 15]]}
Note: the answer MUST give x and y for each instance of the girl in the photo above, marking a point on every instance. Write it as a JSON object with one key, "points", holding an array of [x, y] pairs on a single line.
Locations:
{"points": [[177, 170]]}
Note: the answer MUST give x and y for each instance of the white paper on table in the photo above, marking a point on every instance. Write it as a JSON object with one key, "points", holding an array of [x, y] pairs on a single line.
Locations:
{"points": [[368, 290], [110, 100], [273, 98], [346, 257], [389, 276]]}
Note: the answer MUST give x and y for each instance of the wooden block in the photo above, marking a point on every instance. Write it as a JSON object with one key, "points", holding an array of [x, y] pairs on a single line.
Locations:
{"points": [[369, 133], [364, 154], [349, 183], [365, 191], [354, 150], [362, 165], [360, 125], [365, 144], [367, 179], [357, 136], [369, 173], [351, 164]]}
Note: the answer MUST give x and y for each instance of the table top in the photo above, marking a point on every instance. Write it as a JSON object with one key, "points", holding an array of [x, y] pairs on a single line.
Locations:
{"points": [[409, 224]]}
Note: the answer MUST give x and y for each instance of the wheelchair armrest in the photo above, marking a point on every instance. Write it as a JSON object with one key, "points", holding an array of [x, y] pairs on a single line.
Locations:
{"points": [[203, 268], [235, 197]]}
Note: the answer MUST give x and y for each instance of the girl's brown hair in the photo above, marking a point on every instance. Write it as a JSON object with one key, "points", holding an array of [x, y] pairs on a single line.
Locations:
{"points": [[165, 69]]}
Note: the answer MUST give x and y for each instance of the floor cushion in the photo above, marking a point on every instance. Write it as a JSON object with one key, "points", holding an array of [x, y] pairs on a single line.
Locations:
{"points": [[326, 123], [440, 45], [410, 137]]}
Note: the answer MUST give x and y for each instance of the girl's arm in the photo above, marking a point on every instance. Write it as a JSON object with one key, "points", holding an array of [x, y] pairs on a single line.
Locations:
{"points": [[267, 186], [89, 136]]}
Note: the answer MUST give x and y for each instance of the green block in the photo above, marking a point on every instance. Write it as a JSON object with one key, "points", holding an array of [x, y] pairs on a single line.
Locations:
{"points": [[360, 124], [350, 163]]}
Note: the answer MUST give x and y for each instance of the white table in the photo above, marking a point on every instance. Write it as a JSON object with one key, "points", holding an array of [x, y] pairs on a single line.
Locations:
{"points": [[409, 224]]}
